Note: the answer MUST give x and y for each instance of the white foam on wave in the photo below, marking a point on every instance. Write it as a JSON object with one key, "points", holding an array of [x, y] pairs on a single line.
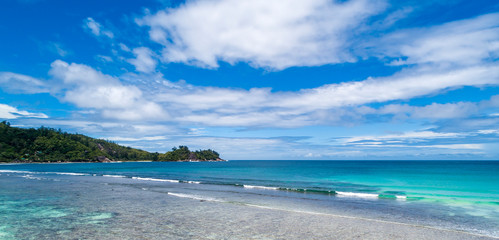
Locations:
{"points": [[58, 173], [114, 176], [195, 197], [69, 173], [260, 187], [14, 171], [357, 195], [401, 197], [28, 176], [193, 182], [156, 179]]}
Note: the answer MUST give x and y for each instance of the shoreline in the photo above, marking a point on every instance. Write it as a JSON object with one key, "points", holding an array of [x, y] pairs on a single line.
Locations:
{"points": [[141, 161], [123, 214], [197, 208]]}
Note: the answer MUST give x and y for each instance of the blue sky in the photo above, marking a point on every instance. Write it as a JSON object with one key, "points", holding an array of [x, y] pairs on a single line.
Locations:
{"points": [[257, 79]]}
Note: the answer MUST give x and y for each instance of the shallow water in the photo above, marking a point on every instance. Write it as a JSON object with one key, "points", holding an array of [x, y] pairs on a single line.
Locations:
{"points": [[159, 200]]}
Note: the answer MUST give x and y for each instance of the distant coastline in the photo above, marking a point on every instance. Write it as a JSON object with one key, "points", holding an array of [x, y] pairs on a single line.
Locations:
{"points": [[139, 161], [48, 145]]}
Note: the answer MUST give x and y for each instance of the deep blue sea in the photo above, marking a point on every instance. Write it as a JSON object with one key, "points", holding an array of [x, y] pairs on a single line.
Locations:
{"points": [[45, 199]]}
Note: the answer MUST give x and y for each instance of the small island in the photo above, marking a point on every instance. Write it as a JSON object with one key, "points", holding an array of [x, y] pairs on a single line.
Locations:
{"points": [[20, 145]]}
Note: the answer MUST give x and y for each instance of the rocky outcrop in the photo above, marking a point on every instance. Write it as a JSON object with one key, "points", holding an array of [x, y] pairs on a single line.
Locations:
{"points": [[103, 159]]}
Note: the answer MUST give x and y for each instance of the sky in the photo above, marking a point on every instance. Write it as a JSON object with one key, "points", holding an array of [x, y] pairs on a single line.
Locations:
{"points": [[259, 79]]}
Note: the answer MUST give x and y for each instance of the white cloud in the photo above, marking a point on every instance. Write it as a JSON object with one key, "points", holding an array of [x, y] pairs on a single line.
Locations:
{"points": [[404, 85], [57, 48], [230, 147], [456, 146], [413, 136], [110, 129], [150, 96], [459, 110], [18, 83], [392, 18], [124, 47], [328, 104], [80, 74], [270, 34], [96, 28], [442, 58], [130, 139], [104, 96], [464, 42], [313, 155], [104, 58], [9, 112], [89, 88], [433, 111], [279, 35], [489, 131], [145, 61]]}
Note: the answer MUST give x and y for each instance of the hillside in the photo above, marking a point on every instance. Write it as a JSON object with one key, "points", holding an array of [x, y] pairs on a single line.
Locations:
{"points": [[51, 145]]}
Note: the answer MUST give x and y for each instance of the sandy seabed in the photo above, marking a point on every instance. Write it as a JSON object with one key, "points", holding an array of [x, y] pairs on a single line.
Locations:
{"points": [[113, 208]]}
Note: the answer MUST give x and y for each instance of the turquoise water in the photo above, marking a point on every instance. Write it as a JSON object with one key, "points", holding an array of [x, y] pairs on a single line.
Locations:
{"points": [[461, 195]]}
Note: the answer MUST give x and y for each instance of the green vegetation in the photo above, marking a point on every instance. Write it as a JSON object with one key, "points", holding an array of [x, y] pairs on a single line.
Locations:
{"points": [[183, 153], [50, 145]]}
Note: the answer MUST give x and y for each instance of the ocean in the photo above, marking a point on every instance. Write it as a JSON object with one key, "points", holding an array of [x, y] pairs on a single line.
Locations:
{"points": [[242, 199]]}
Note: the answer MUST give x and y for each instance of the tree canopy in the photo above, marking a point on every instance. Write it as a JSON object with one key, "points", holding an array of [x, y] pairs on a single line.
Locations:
{"points": [[183, 153], [51, 145]]}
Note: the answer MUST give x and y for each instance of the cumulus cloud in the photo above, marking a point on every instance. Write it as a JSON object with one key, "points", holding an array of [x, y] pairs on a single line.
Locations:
{"points": [[269, 34], [144, 60], [9, 112], [441, 58], [279, 35], [149, 96], [18, 83], [88, 88], [96, 28], [342, 102]]}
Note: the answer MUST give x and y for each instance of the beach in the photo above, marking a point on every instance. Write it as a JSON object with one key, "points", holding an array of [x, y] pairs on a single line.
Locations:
{"points": [[76, 205]]}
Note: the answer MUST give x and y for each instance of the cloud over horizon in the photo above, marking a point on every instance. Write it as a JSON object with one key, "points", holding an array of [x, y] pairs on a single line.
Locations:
{"points": [[415, 83], [9, 112]]}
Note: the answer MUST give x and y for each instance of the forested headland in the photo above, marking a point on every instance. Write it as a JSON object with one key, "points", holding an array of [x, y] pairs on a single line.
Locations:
{"points": [[51, 145]]}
